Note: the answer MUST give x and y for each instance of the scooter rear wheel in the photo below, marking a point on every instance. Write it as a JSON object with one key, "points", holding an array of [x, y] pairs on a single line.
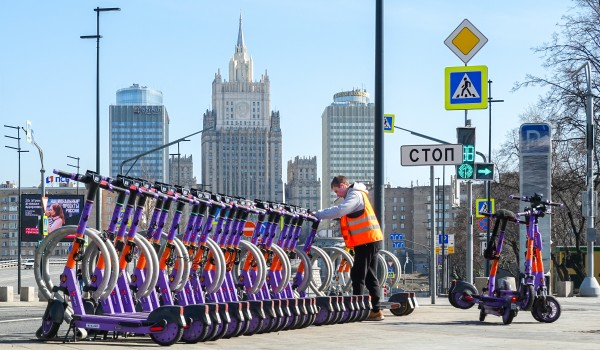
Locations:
{"points": [[457, 300], [48, 330], [482, 315], [402, 310], [195, 333], [508, 316]]}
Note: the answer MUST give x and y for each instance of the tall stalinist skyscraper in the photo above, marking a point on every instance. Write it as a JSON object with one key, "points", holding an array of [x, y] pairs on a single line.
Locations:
{"points": [[241, 150]]}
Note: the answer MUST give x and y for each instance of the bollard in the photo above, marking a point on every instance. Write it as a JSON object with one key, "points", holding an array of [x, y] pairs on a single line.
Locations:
{"points": [[480, 283], [41, 296], [27, 294], [6, 293], [506, 283]]}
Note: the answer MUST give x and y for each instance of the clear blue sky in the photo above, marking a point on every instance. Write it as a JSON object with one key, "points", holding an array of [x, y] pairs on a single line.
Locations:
{"points": [[311, 50]]}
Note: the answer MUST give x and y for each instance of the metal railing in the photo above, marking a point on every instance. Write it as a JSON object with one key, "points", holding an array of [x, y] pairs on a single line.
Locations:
{"points": [[12, 263]]}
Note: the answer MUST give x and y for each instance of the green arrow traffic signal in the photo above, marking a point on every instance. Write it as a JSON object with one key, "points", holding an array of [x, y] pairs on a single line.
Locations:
{"points": [[484, 171]]}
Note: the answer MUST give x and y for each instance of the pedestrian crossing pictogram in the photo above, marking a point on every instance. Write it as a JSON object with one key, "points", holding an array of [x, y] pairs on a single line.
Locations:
{"points": [[466, 87], [483, 206], [388, 123]]}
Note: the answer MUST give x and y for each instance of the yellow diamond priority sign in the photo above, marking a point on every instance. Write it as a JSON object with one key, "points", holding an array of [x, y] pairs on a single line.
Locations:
{"points": [[465, 41]]}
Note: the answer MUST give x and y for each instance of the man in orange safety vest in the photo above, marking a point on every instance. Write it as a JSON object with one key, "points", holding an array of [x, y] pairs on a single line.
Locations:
{"points": [[361, 232]]}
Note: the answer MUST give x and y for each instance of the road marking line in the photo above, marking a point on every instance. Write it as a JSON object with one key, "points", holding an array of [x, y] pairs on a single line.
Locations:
{"points": [[20, 320]]}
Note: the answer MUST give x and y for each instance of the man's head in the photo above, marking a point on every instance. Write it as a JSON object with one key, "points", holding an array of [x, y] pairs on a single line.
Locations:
{"points": [[340, 185]]}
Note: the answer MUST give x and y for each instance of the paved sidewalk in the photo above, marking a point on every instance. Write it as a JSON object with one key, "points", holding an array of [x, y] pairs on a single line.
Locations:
{"points": [[438, 326]]}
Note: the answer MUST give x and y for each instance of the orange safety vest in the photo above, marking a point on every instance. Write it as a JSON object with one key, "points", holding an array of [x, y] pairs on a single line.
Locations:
{"points": [[362, 229]]}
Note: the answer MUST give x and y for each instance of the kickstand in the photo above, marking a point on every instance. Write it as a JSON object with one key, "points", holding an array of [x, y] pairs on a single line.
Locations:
{"points": [[71, 327]]}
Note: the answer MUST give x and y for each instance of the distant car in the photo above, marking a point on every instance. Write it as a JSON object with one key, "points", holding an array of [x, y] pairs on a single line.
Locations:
{"points": [[28, 264]]}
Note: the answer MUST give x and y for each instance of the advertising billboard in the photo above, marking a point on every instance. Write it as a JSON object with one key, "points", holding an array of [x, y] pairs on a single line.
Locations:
{"points": [[61, 209]]}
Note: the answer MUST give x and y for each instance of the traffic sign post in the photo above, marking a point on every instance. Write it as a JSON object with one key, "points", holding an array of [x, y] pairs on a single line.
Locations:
{"points": [[447, 243], [465, 41], [535, 164], [466, 87], [388, 123], [484, 171], [249, 227], [431, 155], [483, 206], [483, 224], [466, 137], [394, 236]]}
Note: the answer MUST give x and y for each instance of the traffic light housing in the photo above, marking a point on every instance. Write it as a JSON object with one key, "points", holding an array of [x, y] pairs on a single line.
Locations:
{"points": [[466, 137], [484, 171]]}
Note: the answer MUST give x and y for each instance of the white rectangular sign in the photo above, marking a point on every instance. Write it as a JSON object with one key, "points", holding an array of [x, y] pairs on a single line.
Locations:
{"points": [[431, 155]]}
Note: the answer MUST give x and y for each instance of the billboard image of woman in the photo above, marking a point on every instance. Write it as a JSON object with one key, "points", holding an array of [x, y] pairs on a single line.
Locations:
{"points": [[56, 217]]}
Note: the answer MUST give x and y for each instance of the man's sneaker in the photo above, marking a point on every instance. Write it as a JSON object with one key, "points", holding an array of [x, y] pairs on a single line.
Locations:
{"points": [[376, 316]]}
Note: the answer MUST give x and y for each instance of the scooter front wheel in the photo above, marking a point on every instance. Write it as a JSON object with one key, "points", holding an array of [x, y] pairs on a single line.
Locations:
{"points": [[526, 297], [546, 309], [170, 335]]}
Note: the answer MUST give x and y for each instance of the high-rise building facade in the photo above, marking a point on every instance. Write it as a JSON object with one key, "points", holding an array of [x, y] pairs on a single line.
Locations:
{"points": [[408, 214], [139, 122], [181, 171], [348, 140], [241, 142], [303, 186]]}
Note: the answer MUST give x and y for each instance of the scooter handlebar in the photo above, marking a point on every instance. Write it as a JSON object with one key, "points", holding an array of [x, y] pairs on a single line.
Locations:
{"points": [[535, 198], [73, 176]]}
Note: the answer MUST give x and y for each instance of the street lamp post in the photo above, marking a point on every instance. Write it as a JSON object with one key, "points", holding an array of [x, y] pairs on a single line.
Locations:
{"points": [[75, 166], [97, 37], [19, 151], [589, 286], [488, 184], [29, 134]]}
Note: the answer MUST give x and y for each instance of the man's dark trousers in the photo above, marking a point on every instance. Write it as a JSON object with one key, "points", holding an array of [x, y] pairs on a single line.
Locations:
{"points": [[363, 272]]}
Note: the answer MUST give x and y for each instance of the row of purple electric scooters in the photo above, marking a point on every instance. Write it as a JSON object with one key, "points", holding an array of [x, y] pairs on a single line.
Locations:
{"points": [[204, 284]]}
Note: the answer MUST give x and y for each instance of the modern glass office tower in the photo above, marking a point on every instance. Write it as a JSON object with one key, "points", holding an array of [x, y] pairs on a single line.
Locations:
{"points": [[241, 152], [348, 141], [139, 122]]}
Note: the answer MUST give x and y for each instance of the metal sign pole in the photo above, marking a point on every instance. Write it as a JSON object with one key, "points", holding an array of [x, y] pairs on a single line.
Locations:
{"points": [[432, 262]]}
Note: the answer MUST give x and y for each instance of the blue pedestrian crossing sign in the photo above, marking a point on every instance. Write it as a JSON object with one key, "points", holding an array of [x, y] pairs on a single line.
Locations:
{"points": [[466, 87], [388, 123], [484, 207]]}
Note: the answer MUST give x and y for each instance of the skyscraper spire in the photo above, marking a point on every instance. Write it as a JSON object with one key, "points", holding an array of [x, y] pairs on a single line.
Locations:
{"points": [[240, 66], [240, 42]]}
